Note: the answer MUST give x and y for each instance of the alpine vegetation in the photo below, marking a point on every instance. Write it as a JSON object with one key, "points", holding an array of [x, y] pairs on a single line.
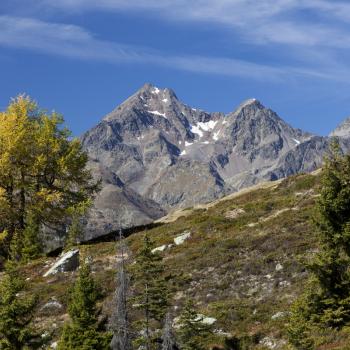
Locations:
{"points": [[16, 311], [193, 331]]}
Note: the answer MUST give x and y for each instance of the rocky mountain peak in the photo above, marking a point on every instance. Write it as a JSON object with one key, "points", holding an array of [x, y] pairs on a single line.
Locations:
{"points": [[150, 91], [154, 151], [148, 99], [343, 129], [149, 88]]}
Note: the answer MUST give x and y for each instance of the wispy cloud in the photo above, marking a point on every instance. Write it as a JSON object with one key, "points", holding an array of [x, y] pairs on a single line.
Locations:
{"points": [[269, 21], [257, 21], [76, 42], [61, 39], [316, 45]]}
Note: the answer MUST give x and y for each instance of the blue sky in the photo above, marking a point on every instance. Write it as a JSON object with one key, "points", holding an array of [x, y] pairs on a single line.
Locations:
{"points": [[84, 57]]}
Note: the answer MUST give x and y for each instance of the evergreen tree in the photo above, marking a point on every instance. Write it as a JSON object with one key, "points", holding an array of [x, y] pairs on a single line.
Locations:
{"points": [[16, 247], [168, 337], [119, 322], [82, 332], [152, 292], [75, 229], [300, 327], [32, 245], [16, 310], [326, 300], [193, 331], [26, 245], [4, 247]]}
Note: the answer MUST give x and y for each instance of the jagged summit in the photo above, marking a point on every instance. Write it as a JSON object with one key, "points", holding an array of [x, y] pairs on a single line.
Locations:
{"points": [[154, 91], [149, 98], [147, 87]]}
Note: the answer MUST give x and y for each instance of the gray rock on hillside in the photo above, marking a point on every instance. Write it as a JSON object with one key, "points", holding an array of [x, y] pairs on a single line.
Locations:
{"points": [[68, 261]]}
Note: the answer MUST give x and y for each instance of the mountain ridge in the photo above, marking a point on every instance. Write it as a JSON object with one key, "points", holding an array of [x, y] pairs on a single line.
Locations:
{"points": [[168, 155]]}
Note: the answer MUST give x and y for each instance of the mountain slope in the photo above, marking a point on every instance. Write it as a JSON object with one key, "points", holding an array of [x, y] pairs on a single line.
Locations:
{"points": [[241, 265]]}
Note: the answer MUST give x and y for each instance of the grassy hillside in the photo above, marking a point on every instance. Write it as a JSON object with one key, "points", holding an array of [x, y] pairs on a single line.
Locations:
{"points": [[242, 264]]}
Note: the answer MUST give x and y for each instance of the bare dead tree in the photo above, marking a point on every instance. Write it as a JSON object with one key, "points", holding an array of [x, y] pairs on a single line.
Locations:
{"points": [[168, 337], [119, 321]]}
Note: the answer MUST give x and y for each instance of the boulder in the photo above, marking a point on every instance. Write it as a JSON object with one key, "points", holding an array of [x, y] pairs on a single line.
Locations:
{"points": [[182, 238], [234, 214], [51, 305], [160, 249], [68, 261], [279, 267], [206, 320], [280, 314]]}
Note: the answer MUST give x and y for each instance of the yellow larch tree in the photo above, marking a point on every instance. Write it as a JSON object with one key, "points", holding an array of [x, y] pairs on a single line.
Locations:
{"points": [[43, 172]]}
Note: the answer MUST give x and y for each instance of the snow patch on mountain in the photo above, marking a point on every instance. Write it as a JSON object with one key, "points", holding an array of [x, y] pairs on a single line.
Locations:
{"points": [[216, 135], [196, 130], [207, 126], [158, 113], [155, 91], [201, 127]]}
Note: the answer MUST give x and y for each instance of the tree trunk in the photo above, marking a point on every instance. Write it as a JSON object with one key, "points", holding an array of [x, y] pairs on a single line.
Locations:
{"points": [[148, 345], [22, 198]]}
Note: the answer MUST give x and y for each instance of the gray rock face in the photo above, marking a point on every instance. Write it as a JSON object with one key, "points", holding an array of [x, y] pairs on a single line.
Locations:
{"points": [[117, 205], [155, 154]]}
